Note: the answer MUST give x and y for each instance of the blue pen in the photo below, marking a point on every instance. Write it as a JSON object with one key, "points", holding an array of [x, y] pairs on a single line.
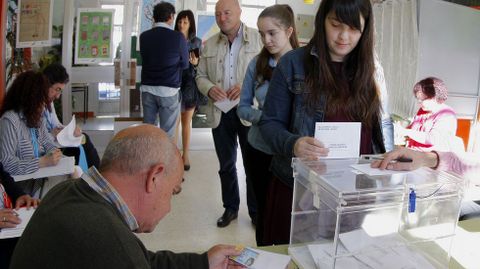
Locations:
{"points": [[412, 201]]}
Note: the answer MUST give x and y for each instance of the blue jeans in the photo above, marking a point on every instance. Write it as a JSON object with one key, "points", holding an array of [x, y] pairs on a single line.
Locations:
{"points": [[225, 140], [167, 108]]}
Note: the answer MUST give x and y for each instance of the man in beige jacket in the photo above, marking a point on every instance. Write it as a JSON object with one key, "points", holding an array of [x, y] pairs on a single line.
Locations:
{"points": [[220, 74]]}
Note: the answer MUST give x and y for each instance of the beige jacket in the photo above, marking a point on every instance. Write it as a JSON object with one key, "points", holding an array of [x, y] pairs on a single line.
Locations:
{"points": [[210, 68]]}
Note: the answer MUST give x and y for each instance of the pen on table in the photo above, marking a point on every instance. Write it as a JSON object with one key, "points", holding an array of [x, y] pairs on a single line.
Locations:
{"points": [[378, 157]]}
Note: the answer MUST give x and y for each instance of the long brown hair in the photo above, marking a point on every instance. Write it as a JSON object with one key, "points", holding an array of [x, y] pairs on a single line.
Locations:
{"points": [[28, 94], [192, 30], [360, 98], [285, 18]]}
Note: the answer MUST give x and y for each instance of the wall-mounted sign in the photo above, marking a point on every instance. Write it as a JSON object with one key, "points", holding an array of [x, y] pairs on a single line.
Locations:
{"points": [[34, 25], [207, 25], [94, 33]]}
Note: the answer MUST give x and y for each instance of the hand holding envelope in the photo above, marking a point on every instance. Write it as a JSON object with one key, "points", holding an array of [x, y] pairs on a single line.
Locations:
{"points": [[68, 136], [342, 139]]}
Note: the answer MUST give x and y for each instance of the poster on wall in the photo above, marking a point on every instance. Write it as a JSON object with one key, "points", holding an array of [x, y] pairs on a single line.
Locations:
{"points": [[146, 14], [305, 28], [94, 36], [34, 25], [207, 25]]}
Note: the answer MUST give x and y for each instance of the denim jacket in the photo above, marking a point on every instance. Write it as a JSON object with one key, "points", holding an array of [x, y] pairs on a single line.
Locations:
{"points": [[250, 107], [285, 117]]}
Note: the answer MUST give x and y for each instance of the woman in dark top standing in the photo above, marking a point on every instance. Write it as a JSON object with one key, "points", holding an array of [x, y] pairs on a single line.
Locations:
{"points": [[185, 23], [332, 79]]}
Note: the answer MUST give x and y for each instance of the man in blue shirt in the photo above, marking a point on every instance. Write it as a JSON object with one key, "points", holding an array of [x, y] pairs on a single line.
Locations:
{"points": [[164, 56]]}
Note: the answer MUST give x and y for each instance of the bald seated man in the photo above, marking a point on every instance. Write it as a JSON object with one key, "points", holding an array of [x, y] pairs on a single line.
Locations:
{"points": [[89, 222]]}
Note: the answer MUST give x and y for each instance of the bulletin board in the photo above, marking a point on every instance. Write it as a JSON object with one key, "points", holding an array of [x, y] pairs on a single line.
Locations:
{"points": [[34, 25], [94, 36], [305, 27]]}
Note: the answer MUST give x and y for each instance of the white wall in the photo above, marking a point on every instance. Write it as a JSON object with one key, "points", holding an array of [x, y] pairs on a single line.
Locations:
{"points": [[449, 38], [299, 7]]}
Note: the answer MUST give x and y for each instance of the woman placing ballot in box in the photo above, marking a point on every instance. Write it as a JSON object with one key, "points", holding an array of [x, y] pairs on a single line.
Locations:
{"points": [[332, 79], [25, 145]]}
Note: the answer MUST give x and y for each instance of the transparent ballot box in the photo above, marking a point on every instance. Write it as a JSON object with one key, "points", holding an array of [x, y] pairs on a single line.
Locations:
{"points": [[343, 218]]}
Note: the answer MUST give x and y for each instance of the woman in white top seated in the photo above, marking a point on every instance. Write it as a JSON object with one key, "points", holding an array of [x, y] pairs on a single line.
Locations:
{"points": [[57, 78]]}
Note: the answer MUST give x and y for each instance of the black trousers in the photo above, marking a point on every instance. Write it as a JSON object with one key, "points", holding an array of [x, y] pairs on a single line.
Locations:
{"points": [[6, 250], [225, 140], [260, 176], [278, 213], [90, 151]]}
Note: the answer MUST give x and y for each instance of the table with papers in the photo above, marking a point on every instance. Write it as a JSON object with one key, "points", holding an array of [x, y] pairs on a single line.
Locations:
{"points": [[465, 251]]}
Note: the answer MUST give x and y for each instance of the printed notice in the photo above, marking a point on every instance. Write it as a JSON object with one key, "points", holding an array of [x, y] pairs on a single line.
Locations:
{"points": [[341, 138]]}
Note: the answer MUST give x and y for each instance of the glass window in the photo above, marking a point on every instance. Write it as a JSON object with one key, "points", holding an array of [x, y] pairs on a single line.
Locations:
{"points": [[250, 9], [107, 91], [117, 28]]}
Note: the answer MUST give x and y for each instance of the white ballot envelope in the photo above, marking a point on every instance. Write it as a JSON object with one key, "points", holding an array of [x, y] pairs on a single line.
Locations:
{"points": [[226, 104], [341, 138], [66, 138]]}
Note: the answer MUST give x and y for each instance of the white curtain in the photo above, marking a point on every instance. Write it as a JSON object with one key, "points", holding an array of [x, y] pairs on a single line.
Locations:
{"points": [[397, 48]]}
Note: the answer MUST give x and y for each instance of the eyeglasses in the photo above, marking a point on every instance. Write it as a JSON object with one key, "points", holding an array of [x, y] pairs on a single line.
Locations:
{"points": [[59, 90]]}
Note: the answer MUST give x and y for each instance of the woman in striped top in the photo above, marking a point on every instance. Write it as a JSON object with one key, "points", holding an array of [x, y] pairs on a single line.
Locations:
{"points": [[25, 144]]}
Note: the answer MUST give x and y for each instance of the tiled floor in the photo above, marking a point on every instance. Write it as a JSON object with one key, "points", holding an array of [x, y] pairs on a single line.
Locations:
{"points": [[191, 224]]}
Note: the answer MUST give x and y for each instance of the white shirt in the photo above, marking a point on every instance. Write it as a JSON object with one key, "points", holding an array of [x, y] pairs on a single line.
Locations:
{"points": [[231, 59]]}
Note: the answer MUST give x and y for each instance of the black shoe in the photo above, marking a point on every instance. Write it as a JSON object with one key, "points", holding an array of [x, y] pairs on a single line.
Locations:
{"points": [[186, 167], [254, 220], [226, 218]]}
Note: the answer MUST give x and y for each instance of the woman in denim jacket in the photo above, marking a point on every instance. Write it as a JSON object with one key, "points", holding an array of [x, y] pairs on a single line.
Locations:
{"points": [[332, 79], [276, 25]]}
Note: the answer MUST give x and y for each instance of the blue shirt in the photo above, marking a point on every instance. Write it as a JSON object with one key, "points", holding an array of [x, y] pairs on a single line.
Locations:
{"points": [[252, 98]]}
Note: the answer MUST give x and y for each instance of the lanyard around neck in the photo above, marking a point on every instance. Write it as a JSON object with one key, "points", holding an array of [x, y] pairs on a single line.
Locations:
{"points": [[33, 133], [48, 117]]}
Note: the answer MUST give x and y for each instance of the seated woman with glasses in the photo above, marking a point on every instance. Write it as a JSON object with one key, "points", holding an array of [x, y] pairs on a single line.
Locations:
{"points": [[435, 124], [57, 77]]}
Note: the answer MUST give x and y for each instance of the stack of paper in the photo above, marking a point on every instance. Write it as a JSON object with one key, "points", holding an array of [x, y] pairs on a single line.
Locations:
{"points": [[65, 166], [25, 216], [388, 251]]}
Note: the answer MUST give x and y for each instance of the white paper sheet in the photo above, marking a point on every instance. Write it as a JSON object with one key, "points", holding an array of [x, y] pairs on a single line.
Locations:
{"points": [[66, 136], [366, 169], [270, 260], [226, 104], [389, 251], [65, 166], [341, 138], [25, 216], [322, 255]]}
